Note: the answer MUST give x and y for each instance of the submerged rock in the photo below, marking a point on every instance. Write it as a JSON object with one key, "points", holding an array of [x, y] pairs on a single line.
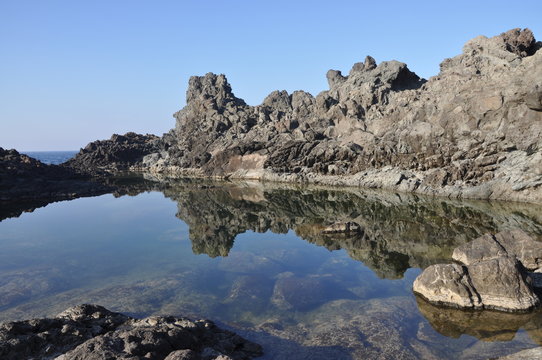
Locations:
{"points": [[490, 278], [529, 354], [305, 293], [93, 332]]}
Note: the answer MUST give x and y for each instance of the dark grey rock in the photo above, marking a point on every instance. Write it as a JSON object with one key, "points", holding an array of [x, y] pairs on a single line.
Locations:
{"points": [[28, 183], [116, 154], [93, 332]]}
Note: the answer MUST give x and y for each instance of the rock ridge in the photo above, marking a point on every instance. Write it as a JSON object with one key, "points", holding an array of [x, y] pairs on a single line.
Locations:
{"points": [[472, 131]]}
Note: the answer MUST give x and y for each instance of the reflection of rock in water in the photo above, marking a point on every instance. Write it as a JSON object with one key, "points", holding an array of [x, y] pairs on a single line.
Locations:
{"points": [[392, 232], [485, 325]]}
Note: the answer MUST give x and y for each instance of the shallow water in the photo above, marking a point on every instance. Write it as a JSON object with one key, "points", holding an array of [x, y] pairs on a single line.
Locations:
{"points": [[256, 258]]}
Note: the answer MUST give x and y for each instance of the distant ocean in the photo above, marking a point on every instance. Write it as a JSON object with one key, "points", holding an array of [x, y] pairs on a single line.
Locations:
{"points": [[51, 157]]}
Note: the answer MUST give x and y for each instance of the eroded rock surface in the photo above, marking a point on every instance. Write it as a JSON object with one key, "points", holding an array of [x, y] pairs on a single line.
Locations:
{"points": [[472, 131], [515, 243], [93, 332], [491, 275]]}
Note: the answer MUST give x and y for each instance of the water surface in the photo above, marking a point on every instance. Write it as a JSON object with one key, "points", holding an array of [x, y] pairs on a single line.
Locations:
{"points": [[51, 157], [258, 259]]}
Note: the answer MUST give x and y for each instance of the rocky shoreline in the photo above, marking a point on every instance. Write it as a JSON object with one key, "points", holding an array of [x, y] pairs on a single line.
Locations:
{"points": [[26, 183], [93, 332], [472, 131]]}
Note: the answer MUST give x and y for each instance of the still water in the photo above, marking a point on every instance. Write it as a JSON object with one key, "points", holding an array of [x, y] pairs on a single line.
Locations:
{"points": [[257, 258]]}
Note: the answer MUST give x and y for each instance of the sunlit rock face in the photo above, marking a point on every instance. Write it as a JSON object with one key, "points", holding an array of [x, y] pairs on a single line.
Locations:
{"points": [[474, 130], [93, 332]]}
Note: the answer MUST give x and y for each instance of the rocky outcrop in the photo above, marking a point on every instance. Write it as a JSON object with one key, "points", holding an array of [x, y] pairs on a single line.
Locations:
{"points": [[116, 154], [28, 183], [491, 275], [93, 332], [472, 131]]}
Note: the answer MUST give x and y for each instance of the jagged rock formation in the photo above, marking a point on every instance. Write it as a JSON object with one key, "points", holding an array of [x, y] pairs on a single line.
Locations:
{"points": [[28, 183], [116, 154], [93, 332], [473, 131], [492, 274]]}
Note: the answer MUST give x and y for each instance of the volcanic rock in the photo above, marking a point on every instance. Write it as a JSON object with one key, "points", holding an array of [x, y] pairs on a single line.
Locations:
{"points": [[93, 332], [472, 131], [116, 154], [26, 182]]}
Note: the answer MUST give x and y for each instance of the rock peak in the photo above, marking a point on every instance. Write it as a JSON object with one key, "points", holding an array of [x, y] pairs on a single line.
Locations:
{"points": [[519, 42], [508, 45], [210, 87]]}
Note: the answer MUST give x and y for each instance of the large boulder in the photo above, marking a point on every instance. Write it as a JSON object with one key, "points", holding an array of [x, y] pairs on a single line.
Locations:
{"points": [[514, 243], [492, 274], [502, 284], [447, 284]]}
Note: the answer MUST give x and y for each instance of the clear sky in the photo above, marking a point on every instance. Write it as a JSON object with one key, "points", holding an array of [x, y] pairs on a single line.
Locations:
{"points": [[76, 71]]}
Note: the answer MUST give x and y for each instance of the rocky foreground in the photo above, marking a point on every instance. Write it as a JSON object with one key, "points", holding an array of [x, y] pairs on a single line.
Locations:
{"points": [[93, 332], [472, 131], [491, 272]]}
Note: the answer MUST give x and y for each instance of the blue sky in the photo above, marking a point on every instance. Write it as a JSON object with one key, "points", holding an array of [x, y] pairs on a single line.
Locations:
{"points": [[76, 71]]}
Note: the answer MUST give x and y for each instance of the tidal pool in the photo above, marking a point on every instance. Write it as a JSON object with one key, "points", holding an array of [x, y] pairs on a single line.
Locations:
{"points": [[259, 259]]}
